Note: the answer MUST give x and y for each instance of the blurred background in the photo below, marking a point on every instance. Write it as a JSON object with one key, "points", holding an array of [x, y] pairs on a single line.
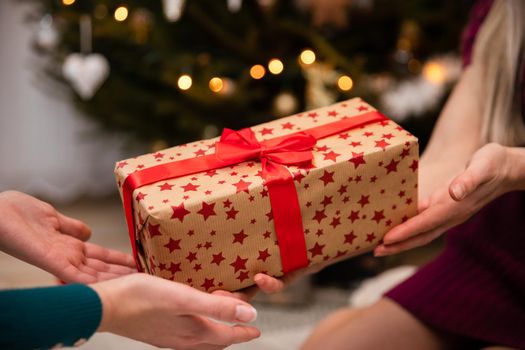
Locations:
{"points": [[88, 82]]}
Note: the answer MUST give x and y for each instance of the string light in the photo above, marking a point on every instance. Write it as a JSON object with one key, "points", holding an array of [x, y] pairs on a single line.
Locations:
{"points": [[121, 13], [68, 2], [414, 66], [275, 66], [307, 56], [216, 84], [184, 82], [434, 72], [345, 83], [257, 71]]}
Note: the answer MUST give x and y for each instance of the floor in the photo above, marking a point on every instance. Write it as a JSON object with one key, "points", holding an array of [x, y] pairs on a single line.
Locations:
{"points": [[283, 327]]}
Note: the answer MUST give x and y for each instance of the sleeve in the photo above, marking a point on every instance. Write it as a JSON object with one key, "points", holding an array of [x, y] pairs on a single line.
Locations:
{"points": [[47, 317]]}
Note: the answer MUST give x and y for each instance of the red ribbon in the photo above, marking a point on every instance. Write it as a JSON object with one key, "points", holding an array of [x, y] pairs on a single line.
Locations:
{"points": [[239, 146]]}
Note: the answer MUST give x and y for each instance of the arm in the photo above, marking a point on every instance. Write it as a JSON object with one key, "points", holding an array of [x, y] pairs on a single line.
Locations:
{"points": [[138, 306], [456, 135], [35, 232]]}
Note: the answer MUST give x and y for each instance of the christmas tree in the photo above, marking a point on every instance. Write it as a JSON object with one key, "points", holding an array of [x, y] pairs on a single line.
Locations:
{"points": [[173, 71]]}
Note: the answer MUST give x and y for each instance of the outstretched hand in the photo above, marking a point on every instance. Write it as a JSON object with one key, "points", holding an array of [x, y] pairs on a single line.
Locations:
{"points": [[37, 233], [487, 176]]}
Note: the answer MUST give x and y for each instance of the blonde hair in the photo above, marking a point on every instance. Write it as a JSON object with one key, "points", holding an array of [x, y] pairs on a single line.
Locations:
{"points": [[499, 52]]}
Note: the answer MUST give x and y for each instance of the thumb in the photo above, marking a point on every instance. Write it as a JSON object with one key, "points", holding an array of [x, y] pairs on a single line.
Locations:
{"points": [[468, 181], [73, 227], [221, 308]]}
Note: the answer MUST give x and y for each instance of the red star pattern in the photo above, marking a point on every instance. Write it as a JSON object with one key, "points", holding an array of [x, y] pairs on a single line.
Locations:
{"points": [[239, 237], [414, 165], [242, 186], [189, 187], [154, 230], [243, 275], [336, 221], [231, 214], [354, 215], [370, 237], [364, 200], [317, 249], [327, 177], [327, 200], [179, 212], [217, 259], [263, 255], [287, 125], [391, 167], [349, 238], [319, 216], [266, 131], [239, 264], [382, 144], [357, 159], [378, 216], [165, 187], [173, 245], [208, 284], [331, 156], [174, 268], [207, 210], [192, 256], [121, 165], [140, 196]]}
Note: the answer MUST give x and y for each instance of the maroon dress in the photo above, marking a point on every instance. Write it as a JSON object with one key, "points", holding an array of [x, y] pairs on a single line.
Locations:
{"points": [[475, 290]]}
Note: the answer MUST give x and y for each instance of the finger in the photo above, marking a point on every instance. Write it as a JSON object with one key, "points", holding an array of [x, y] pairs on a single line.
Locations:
{"points": [[218, 307], [73, 227], [427, 220], [102, 266], [413, 242], [98, 275], [471, 179], [245, 294], [423, 205], [221, 334], [109, 255], [268, 284], [72, 274]]}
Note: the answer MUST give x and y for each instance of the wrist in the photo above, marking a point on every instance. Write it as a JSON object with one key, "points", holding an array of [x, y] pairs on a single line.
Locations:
{"points": [[516, 168]]}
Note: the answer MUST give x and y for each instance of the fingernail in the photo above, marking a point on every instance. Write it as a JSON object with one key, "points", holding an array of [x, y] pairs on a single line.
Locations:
{"points": [[245, 314], [459, 191], [257, 278]]}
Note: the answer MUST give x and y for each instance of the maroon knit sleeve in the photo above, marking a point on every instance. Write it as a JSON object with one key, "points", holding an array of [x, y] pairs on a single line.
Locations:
{"points": [[477, 15]]}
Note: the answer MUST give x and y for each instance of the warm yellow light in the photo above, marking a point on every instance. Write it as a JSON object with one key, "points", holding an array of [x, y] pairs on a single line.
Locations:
{"points": [[307, 56], [275, 66], [121, 13], [434, 72], [257, 71], [345, 83], [216, 84], [68, 2], [184, 82]]}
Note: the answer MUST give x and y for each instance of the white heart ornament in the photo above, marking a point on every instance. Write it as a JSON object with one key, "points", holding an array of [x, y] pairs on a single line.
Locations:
{"points": [[86, 73]]}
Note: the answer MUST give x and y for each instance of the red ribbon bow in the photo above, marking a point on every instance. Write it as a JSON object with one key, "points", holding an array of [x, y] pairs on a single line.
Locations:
{"points": [[295, 149], [239, 146]]}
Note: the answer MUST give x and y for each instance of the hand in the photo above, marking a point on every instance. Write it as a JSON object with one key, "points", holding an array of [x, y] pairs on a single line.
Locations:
{"points": [[488, 175], [172, 315], [270, 285], [35, 232]]}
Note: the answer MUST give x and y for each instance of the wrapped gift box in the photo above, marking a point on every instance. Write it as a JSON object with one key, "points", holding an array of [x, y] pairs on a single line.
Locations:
{"points": [[295, 192]]}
